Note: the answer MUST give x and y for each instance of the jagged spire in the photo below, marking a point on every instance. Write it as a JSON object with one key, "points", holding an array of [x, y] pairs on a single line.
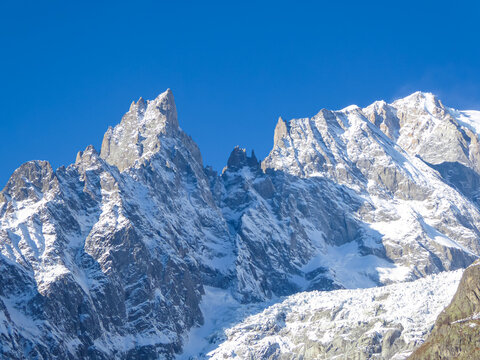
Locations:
{"points": [[29, 180], [139, 131], [88, 158], [281, 130], [163, 107], [238, 159]]}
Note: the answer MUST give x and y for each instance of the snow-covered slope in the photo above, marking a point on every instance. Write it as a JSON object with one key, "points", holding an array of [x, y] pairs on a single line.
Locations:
{"points": [[377, 323], [400, 189], [469, 118], [111, 256]]}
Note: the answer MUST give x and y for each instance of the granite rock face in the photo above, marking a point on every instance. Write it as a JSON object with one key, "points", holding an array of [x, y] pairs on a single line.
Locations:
{"points": [[138, 134], [110, 257]]}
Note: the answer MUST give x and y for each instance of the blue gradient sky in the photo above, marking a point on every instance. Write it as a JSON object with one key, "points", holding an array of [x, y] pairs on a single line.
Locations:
{"points": [[68, 70]]}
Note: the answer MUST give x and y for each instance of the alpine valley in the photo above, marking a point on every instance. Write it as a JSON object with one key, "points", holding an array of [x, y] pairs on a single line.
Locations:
{"points": [[346, 241]]}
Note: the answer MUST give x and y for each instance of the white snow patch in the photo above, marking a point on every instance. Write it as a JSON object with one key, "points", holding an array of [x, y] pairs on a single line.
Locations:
{"points": [[468, 118]]}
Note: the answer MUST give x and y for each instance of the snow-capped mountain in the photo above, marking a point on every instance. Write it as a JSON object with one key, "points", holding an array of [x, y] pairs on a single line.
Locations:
{"points": [[111, 256]]}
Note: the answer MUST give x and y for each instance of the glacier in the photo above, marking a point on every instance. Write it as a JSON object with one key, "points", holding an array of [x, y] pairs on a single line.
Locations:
{"points": [[384, 322]]}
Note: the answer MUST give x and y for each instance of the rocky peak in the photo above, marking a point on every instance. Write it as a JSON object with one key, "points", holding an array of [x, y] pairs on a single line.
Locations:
{"points": [[421, 125], [29, 181], [88, 158], [138, 134], [161, 110], [139, 106], [281, 131], [239, 159], [420, 102]]}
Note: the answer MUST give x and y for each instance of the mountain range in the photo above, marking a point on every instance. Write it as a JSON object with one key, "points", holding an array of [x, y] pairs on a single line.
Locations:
{"points": [[119, 255]]}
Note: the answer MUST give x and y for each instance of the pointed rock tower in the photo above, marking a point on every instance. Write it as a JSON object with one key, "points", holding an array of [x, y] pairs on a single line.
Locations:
{"points": [[140, 131]]}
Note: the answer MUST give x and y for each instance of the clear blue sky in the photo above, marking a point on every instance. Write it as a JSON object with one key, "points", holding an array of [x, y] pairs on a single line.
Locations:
{"points": [[69, 69]]}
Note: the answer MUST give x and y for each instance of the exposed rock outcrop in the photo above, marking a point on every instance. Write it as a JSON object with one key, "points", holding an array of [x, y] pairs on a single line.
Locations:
{"points": [[456, 333]]}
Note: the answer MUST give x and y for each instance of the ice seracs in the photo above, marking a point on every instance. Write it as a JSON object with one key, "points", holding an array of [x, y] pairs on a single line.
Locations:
{"points": [[377, 323]]}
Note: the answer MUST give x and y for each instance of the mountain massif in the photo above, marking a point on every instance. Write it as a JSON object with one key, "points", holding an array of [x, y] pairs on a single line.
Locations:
{"points": [[117, 255]]}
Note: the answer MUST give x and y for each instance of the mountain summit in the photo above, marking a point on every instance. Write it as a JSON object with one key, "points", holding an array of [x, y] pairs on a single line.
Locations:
{"points": [[118, 255], [138, 133]]}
